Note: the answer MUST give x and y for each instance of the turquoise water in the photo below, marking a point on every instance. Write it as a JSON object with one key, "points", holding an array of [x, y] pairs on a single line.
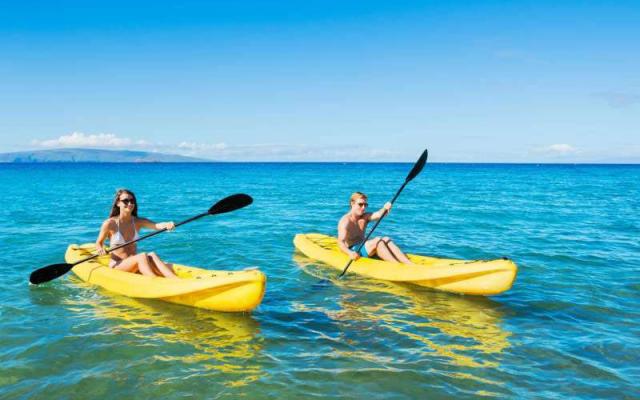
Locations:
{"points": [[568, 328]]}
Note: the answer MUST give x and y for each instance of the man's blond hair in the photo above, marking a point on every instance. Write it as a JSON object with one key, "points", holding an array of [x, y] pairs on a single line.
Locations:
{"points": [[357, 195]]}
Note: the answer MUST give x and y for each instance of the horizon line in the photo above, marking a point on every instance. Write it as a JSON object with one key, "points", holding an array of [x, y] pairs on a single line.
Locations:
{"points": [[319, 162]]}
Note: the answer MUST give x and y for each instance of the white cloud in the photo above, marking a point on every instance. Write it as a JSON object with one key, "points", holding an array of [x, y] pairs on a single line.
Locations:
{"points": [[555, 152], [224, 152], [201, 146], [285, 152], [562, 148], [102, 140]]}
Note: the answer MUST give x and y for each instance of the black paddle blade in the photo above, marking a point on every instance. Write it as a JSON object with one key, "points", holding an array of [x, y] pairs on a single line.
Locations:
{"points": [[417, 168], [48, 273], [231, 203]]}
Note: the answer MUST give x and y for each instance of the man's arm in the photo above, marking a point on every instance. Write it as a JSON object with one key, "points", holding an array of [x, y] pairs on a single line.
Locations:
{"points": [[342, 240], [381, 212]]}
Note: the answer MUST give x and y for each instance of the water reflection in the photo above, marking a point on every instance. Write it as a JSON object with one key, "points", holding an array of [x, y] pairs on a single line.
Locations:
{"points": [[462, 330], [219, 341]]}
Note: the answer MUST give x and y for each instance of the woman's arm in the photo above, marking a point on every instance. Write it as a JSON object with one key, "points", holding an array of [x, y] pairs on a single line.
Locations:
{"points": [[102, 236], [147, 223]]}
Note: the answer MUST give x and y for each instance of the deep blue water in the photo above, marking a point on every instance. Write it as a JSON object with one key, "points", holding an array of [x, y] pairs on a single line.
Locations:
{"points": [[567, 329]]}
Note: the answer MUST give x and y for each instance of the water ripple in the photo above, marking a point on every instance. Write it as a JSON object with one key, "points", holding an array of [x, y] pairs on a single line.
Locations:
{"points": [[571, 316]]}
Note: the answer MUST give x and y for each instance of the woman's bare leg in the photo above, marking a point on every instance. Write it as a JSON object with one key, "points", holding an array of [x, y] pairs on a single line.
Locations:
{"points": [[164, 269], [135, 263]]}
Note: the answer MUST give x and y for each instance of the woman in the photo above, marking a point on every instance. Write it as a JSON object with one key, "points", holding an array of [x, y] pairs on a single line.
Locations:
{"points": [[122, 226]]}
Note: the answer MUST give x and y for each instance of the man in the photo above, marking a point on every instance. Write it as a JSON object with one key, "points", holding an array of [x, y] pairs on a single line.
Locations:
{"points": [[351, 232]]}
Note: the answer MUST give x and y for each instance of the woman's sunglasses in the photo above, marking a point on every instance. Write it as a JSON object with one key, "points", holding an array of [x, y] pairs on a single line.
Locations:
{"points": [[126, 202], [362, 204]]}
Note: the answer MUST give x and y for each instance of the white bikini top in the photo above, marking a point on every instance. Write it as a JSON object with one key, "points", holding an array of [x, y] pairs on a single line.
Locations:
{"points": [[118, 239]]}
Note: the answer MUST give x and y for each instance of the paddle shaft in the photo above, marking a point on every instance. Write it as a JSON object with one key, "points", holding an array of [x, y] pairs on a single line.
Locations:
{"points": [[141, 238]]}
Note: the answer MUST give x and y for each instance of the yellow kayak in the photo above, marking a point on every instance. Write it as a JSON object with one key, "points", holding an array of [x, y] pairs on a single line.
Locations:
{"points": [[231, 291], [477, 277]]}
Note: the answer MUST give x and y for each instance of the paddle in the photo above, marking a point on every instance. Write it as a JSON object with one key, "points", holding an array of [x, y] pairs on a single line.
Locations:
{"points": [[417, 168], [228, 204]]}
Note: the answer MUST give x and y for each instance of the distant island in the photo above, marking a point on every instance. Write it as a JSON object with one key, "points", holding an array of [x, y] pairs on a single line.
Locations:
{"points": [[93, 155]]}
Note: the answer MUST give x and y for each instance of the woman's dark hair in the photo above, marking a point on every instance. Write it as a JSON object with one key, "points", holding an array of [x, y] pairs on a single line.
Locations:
{"points": [[115, 210]]}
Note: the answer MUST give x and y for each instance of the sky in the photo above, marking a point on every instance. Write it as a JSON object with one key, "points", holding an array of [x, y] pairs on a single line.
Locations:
{"points": [[489, 81]]}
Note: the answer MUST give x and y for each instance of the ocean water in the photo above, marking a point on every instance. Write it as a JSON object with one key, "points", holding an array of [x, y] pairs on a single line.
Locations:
{"points": [[569, 328]]}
